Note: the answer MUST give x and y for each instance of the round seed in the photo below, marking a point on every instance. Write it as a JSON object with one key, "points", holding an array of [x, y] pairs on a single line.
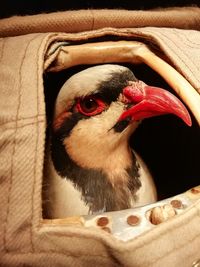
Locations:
{"points": [[102, 221], [133, 220], [177, 204], [195, 191]]}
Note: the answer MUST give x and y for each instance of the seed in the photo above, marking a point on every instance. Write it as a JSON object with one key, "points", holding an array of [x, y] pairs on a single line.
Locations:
{"points": [[102, 221], [177, 204], [195, 191], [133, 220], [161, 214]]}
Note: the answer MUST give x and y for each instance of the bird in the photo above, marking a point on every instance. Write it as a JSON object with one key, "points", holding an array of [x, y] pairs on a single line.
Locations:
{"points": [[91, 166]]}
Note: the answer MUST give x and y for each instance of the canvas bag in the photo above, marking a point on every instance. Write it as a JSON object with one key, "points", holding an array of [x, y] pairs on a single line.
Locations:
{"points": [[25, 240]]}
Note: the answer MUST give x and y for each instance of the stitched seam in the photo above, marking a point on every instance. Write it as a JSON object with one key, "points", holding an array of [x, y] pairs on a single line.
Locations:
{"points": [[36, 153], [24, 125], [183, 37], [166, 37], [12, 160], [186, 44], [196, 67], [13, 151], [36, 150], [22, 119]]}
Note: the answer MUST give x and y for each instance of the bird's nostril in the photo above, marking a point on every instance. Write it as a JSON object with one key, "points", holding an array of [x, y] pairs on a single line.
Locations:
{"points": [[130, 105], [122, 98]]}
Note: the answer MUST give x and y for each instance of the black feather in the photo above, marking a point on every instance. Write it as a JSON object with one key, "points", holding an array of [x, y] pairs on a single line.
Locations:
{"points": [[110, 89]]}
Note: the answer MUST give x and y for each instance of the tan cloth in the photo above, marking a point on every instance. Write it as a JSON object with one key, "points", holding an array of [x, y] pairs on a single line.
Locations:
{"points": [[85, 20], [24, 241]]}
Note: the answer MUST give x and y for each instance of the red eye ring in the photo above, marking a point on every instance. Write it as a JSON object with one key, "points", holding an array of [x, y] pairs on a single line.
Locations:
{"points": [[90, 106]]}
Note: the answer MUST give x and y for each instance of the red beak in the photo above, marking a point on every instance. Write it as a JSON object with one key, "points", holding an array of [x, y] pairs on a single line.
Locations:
{"points": [[151, 101]]}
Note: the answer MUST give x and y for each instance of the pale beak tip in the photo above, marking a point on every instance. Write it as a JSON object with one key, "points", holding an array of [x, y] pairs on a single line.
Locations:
{"points": [[188, 121]]}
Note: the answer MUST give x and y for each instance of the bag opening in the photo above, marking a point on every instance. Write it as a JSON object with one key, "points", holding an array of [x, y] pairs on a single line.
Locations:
{"points": [[166, 144]]}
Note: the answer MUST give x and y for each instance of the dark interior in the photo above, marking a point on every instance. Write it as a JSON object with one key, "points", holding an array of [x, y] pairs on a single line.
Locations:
{"points": [[24, 7], [168, 146]]}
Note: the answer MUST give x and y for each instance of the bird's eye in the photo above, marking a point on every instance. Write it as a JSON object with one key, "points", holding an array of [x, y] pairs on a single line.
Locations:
{"points": [[90, 106]]}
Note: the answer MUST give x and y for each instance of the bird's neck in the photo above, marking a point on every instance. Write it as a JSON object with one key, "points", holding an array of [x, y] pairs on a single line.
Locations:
{"points": [[103, 189]]}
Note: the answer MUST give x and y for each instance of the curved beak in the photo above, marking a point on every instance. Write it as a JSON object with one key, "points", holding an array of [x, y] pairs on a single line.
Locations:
{"points": [[147, 101]]}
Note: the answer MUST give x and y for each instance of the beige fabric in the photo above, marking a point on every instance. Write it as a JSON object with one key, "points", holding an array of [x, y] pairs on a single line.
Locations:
{"points": [[85, 20], [23, 238]]}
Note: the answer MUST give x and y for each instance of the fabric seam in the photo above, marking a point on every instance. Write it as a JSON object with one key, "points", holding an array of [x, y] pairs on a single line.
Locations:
{"points": [[14, 149], [36, 153], [161, 34]]}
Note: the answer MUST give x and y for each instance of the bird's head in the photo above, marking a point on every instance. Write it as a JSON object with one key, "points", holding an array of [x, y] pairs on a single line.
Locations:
{"points": [[96, 112], [98, 109]]}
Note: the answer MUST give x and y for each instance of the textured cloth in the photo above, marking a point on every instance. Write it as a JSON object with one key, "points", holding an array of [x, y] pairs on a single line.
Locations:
{"points": [[24, 240], [85, 20]]}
